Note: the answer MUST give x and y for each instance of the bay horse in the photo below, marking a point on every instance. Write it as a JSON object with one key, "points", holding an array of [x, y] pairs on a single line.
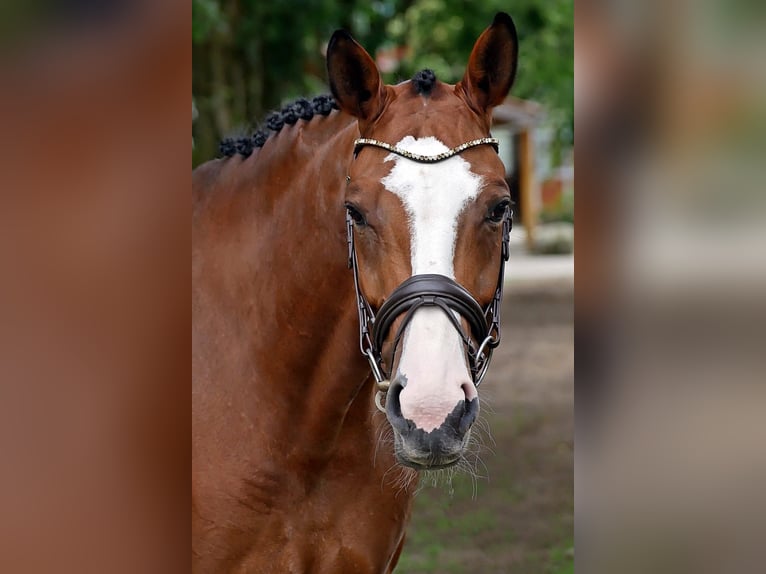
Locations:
{"points": [[402, 184]]}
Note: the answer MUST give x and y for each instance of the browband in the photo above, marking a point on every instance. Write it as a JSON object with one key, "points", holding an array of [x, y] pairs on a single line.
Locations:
{"points": [[361, 142]]}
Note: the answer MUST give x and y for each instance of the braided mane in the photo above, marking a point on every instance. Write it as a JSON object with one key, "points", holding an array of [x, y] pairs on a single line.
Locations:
{"points": [[303, 109], [300, 109], [423, 82]]}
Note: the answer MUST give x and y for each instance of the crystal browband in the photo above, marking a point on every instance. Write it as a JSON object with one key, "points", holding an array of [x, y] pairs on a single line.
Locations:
{"points": [[361, 142]]}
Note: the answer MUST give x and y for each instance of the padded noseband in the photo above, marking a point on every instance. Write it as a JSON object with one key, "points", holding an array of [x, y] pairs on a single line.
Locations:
{"points": [[428, 290]]}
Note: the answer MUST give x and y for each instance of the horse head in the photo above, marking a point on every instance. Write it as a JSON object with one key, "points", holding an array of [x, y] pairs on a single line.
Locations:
{"points": [[428, 211]]}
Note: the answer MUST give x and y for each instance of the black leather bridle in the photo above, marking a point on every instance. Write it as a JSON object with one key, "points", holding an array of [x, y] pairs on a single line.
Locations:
{"points": [[429, 290]]}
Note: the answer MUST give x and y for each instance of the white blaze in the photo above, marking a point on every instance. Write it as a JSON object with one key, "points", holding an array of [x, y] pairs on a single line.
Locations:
{"points": [[432, 358]]}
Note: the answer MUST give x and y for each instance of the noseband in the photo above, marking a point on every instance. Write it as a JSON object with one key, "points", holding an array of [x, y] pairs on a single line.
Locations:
{"points": [[429, 290]]}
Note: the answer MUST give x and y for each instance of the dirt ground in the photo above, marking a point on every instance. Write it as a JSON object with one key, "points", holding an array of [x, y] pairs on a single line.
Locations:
{"points": [[517, 517]]}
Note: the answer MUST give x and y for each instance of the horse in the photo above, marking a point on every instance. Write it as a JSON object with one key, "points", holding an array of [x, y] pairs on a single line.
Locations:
{"points": [[292, 471]]}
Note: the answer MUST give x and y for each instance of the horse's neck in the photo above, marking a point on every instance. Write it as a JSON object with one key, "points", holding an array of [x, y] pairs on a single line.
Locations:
{"points": [[287, 329]]}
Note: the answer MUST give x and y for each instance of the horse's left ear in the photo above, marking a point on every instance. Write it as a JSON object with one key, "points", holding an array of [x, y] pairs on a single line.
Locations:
{"points": [[492, 65], [354, 78]]}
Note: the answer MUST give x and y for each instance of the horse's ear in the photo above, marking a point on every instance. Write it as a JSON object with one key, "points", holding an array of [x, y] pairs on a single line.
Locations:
{"points": [[354, 78], [492, 65]]}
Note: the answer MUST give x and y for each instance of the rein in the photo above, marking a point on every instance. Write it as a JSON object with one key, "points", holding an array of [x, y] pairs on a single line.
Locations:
{"points": [[428, 290]]}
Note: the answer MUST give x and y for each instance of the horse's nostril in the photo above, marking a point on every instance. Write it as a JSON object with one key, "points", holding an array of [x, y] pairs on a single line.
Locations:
{"points": [[394, 407], [470, 412]]}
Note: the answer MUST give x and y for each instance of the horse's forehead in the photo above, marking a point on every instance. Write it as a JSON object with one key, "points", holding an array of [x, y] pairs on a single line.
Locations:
{"points": [[434, 196], [429, 125], [441, 188], [441, 114], [451, 181]]}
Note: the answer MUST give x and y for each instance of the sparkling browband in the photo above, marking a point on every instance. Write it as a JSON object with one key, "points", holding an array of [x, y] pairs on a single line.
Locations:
{"points": [[361, 142]]}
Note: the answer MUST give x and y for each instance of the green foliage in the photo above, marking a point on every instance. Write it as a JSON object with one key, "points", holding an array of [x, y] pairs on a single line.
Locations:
{"points": [[561, 559], [206, 18], [250, 56]]}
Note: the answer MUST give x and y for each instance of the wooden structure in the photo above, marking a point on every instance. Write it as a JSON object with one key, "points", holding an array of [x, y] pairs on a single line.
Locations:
{"points": [[516, 120]]}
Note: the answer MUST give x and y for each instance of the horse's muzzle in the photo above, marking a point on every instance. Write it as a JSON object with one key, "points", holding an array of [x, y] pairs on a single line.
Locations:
{"points": [[439, 448]]}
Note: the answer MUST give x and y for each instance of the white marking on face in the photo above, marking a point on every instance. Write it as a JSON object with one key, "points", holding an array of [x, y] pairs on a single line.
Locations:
{"points": [[434, 196]]}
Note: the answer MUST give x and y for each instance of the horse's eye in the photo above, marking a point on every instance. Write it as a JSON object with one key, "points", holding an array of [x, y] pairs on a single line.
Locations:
{"points": [[356, 215], [497, 213]]}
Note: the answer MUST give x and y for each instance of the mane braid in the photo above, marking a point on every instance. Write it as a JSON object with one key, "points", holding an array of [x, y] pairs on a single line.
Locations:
{"points": [[423, 82], [300, 109]]}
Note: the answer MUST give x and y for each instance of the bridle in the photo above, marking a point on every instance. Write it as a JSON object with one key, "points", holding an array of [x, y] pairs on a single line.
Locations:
{"points": [[429, 290]]}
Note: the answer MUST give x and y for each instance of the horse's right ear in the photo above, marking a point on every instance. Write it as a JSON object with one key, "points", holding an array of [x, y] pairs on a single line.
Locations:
{"points": [[354, 78]]}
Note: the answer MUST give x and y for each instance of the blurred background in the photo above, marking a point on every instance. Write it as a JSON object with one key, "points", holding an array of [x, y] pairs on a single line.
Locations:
{"points": [[250, 57], [94, 282], [671, 284]]}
